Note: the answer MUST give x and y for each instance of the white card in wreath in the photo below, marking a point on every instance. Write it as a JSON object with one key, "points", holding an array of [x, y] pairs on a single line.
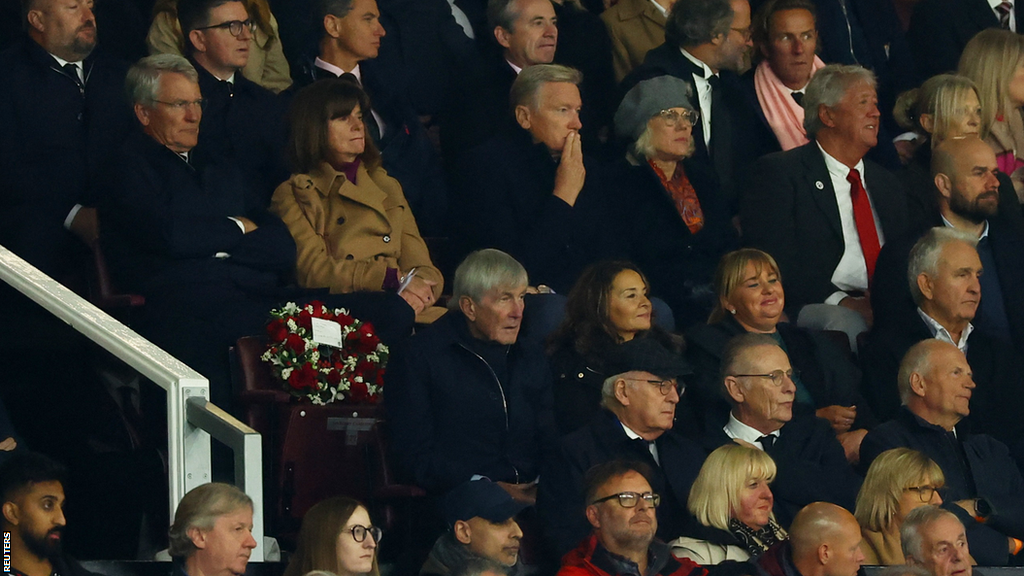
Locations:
{"points": [[326, 332]]}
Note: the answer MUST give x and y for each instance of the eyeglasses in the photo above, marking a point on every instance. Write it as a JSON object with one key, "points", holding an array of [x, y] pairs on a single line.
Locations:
{"points": [[671, 117], [631, 499], [663, 385], [234, 27], [924, 493], [182, 105], [359, 533], [747, 33], [776, 376]]}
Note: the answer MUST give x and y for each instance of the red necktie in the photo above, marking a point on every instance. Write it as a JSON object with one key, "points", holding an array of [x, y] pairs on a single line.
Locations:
{"points": [[865, 221]]}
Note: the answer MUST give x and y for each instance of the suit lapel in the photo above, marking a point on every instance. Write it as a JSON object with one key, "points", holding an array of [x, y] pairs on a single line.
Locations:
{"points": [[881, 198], [819, 183]]}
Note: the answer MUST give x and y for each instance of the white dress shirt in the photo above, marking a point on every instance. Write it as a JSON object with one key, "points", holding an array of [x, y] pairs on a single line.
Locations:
{"points": [[736, 429], [651, 446], [1013, 17], [355, 72], [703, 87], [852, 271], [940, 333]]}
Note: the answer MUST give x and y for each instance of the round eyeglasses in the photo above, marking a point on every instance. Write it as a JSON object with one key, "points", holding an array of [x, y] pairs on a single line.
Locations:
{"points": [[663, 385], [671, 117], [776, 376], [924, 493], [234, 27], [631, 499], [359, 533]]}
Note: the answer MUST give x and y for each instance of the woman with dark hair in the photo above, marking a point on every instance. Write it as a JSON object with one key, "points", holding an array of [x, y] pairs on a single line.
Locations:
{"points": [[337, 536], [751, 299], [607, 306], [350, 221]]}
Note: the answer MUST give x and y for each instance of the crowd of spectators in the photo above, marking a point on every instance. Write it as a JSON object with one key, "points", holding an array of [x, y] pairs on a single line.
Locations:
{"points": [[576, 224]]}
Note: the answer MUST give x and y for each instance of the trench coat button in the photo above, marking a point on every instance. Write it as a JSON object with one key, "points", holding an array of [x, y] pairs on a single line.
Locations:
{"points": [[387, 238], [341, 220], [350, 257], [580, 375]]}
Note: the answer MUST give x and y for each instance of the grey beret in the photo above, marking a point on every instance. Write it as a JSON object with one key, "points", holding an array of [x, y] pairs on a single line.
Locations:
{"points": [[645, 100]]}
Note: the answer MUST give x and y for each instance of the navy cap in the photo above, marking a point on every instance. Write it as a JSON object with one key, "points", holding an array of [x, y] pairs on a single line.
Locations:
{"points": [[481, 498], [647, 355]]}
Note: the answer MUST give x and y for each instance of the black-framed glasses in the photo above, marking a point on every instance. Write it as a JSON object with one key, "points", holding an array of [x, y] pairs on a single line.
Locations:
{"points": [[359, 533], [631, 499], [924, 493], [776, 376], [233, 26], [664, 386], [671, 117], [183, 105]]}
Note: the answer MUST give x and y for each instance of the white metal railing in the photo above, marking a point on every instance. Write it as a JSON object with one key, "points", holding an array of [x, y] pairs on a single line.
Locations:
{"points": [[191, 419]]}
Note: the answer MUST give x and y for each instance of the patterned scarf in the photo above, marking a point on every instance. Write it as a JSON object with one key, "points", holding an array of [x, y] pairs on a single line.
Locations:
{"points": [[757, 541]]}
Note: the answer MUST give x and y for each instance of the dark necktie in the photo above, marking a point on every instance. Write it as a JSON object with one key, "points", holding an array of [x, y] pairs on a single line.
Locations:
{"points": [[865, 221], [71, 70], [767, 441], [1003, 9], [226, 87], [798, 97], [368, 119]]}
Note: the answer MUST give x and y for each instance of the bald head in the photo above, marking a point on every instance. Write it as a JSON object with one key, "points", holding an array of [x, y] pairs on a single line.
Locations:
{"points": [[965, 173], [826, 541]]}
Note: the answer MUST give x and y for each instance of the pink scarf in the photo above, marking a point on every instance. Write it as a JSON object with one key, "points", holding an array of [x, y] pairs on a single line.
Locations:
{"points": [[784, 115]]}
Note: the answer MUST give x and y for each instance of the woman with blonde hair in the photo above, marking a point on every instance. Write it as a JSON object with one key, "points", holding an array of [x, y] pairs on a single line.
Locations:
{"points": [[733, 505], [994, 59], [898, 481], [337, 536], [267, 65]]}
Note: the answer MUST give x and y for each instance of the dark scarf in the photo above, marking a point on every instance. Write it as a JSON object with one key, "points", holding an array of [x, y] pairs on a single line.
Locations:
{"points": [[757, 541]]}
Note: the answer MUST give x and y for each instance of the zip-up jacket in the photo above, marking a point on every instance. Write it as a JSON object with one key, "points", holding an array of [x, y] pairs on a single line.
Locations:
{"points": [[452, 417]]}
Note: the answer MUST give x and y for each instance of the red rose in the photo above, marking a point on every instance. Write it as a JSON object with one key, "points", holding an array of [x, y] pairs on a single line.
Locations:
{"points": [[305, 320], [303, 378], [364, 340], [344, 320], [277, 330], [295, 343], [333, 377], [359, 392]]}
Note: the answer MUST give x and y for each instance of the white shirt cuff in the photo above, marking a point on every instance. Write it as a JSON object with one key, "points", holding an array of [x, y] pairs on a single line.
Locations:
{"points": [[836, 298], [71, 216]]}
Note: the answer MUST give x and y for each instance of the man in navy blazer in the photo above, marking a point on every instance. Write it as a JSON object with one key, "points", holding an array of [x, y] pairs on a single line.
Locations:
{"points": [[822, 210]]}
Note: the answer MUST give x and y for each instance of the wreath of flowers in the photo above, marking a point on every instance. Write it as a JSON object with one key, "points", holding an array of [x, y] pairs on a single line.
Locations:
{"points": [[321, 373]]}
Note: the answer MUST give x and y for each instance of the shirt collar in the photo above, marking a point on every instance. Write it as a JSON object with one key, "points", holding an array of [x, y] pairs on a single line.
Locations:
{"points": [[940, 333], [736, 429], [336, 70], [662, 9], [837, 168], [629, 432], [515, 68], [984, 233], [993, 3], [708, 73], [62, 62]]}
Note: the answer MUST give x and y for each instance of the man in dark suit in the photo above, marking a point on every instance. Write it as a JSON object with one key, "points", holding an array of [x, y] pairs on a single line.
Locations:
{"points": [[707, 44], [191, 236], [350, 41], [983, 486], [243, 122], [822, 210], [939, 29], [946, 270], [62, 114], [811, 463], [640, 396]]}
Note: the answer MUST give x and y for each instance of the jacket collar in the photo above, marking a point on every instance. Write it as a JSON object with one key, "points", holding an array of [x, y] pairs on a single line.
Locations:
{"points": [[635, 8], [328, 181]]}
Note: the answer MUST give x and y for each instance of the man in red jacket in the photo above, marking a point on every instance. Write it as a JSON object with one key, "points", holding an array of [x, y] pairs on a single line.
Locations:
{"points": [[621, 510]]}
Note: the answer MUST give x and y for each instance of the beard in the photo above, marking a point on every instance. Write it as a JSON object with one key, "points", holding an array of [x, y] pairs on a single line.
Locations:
{"points": [[974, 211], [44, 547]]}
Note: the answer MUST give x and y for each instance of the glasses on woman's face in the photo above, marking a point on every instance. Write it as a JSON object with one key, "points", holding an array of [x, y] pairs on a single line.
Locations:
{"points": [[671, 117], [359, 533], [924, 493], [631, 499]]}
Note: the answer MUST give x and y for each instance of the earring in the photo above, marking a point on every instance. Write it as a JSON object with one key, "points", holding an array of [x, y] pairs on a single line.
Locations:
{"points": [[732, 311]]}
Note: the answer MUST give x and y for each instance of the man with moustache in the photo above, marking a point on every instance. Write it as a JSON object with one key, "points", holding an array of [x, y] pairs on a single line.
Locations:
{"points": [[823, 210], [32, 493], [62, 115], [935, 540], [983, 488], [640, 398], [812, 465], [620, 509], [824, 540]]}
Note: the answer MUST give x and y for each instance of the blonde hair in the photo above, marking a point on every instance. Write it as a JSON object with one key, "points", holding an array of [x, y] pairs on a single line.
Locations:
{"points": [[892, 472], [716, 491], [731, 273], [941, 96], [990, 60]]}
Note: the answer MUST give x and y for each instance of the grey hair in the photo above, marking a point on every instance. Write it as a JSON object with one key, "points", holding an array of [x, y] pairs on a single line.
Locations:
{"points": [[696, 22], [734, 354], [528, 84], [337, 8], [142, 82], [827, 87], [200, 508], [608, 399], [502, 14], [644, 147], [924, 256], [918, 519], [483, 270], [915, 361]]}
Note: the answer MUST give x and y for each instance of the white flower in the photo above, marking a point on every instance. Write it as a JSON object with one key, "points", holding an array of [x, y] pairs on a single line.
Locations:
{"points": [[292, 326], [290, 308], [286, 373]]}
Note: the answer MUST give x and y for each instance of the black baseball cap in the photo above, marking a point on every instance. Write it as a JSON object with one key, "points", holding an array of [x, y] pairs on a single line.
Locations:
{"points": [[647, 355], [481, 498]]}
